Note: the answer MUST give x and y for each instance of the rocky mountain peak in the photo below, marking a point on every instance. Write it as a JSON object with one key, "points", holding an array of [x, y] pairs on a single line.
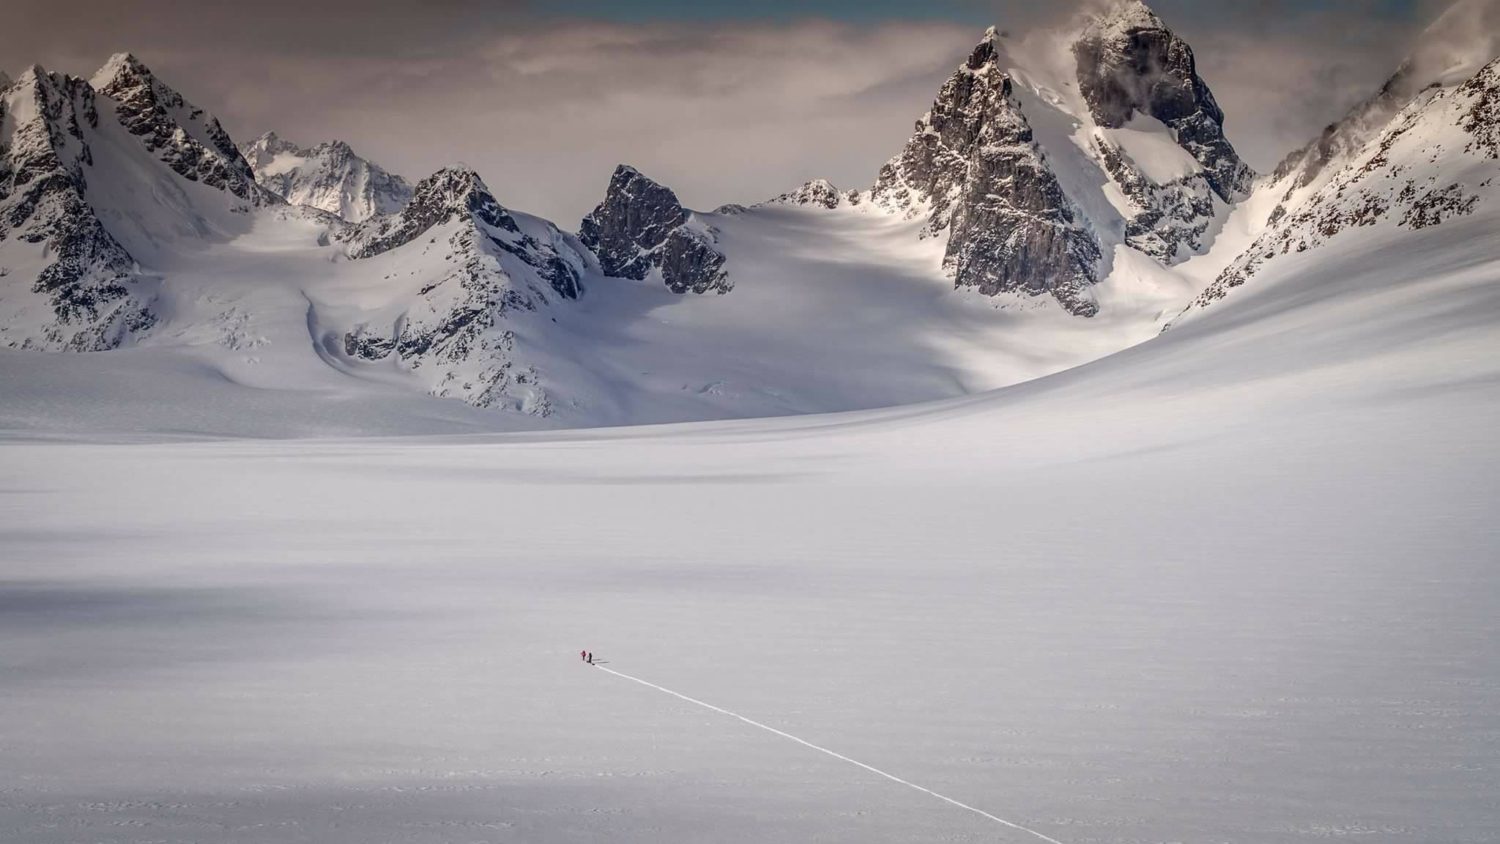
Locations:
{"points": [[641, 226], [331, 177], [820, 193], [1129, 62], [185, 137], [973, 168], [986, 51], [121, 69], [83, 282], [455, 192]]}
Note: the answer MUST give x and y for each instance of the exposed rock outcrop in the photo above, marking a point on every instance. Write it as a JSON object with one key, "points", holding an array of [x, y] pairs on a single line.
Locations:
{"points": [[974, 169], [641, 226], [491, 267], [83, 276], [1129, 62], [185, 137]]}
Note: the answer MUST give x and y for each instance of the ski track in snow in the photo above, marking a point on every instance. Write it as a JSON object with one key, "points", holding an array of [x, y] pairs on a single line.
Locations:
{"points": [[805, 743]]}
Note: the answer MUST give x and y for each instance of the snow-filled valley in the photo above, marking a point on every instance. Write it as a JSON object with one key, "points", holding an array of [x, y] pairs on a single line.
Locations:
{"points": [[1087, 486], [1234, 584]]}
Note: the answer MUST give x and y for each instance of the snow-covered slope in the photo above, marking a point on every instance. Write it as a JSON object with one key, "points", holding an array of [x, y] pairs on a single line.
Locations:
{"points": [[329, 177], [1420, 154], [65, 281], [1234, 584], [1077, 172]]}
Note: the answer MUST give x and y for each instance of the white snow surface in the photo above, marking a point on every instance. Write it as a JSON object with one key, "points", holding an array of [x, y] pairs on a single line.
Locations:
{"points": [[1151, 147], [832, 310], [1233, 584]]}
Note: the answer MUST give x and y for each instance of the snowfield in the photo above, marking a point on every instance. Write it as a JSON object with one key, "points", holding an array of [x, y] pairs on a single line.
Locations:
{"points": [[304, 521], [1236, 583]]}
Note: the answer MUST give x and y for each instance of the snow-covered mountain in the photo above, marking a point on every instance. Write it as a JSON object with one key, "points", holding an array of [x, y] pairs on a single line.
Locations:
{"points": [[329, 177], [453, 327], [1039, 156], [1079, 172], [68, 283], [1424, 150]]}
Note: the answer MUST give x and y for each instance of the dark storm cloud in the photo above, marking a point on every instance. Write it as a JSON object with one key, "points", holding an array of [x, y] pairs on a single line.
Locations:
{"points": [[721, 109]]}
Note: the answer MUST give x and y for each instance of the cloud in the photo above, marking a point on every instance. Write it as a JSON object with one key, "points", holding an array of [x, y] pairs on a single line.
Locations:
{"points": [[721, 110]]}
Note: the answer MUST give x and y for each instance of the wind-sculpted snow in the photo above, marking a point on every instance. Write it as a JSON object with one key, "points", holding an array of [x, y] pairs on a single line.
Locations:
{"points": [[640, 227], [65, 282], [329, 177], [974, 170]]}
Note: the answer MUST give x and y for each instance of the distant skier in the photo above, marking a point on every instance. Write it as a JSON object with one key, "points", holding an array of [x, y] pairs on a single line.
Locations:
{"points": [[590, 659], [583, 655]]}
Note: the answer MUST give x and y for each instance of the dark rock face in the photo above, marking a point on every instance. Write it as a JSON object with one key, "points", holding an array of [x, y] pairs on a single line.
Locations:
{"points": [[88, 278], [1129, 61], [640, 226], [185, 137], [1172, 220], [973, 166]]}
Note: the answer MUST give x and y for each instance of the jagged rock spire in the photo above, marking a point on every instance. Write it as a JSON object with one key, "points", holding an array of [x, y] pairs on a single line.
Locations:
{"points": [[1129, 61], [974, 169], [185, 137], [641, 226]]}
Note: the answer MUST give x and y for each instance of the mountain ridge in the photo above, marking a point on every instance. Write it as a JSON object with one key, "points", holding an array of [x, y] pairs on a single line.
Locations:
{"points": [[1066, 195]]}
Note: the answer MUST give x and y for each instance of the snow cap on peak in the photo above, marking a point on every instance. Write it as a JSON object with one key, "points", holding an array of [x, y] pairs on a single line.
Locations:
{"points": [[455, 186], [120, 67], [30, 75], [627, 178], [1117, 18]]}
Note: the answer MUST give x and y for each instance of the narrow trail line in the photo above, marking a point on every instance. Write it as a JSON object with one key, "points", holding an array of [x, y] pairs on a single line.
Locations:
{"points": [[839, 756]]}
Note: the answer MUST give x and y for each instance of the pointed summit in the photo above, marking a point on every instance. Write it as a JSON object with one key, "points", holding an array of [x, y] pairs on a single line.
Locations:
{"points": [[185, 137], [82, 287], [641, 226], [452, 193], [974, 170], [1130, 62], [119, 66], [986, 51]]}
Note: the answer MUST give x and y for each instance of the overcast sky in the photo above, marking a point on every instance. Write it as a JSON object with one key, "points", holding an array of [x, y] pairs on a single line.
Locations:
{"points": [[724, 102]]}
